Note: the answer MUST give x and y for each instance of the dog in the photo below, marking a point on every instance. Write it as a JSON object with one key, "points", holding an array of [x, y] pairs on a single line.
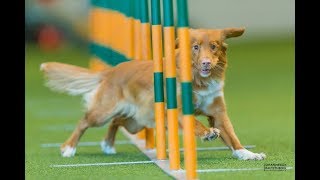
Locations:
{"points": [[124, 95]]}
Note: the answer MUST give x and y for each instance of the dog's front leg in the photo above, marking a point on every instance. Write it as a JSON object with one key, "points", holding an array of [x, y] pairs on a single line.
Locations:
{"points": [[206, 134], [201, 131], [221, 120]]}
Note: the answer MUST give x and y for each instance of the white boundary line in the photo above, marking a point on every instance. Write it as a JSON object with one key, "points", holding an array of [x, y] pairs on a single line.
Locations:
{"points": [[217, 148], [151, 154], [119, 142], [180, 174], [232, 169], [147, 162], [122, 142], [101, 164]]}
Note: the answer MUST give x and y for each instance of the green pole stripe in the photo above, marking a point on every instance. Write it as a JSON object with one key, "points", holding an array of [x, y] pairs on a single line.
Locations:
{"points": [[158, 87], [171, 88], [106, 54], [155, 12], [186, 96], [144, 11], [167, 13], [136, 13], [183, 19], [124, 7]]}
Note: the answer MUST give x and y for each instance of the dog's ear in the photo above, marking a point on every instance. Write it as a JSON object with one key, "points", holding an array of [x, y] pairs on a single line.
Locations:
{"points": [[224, 46], [232, 32]]}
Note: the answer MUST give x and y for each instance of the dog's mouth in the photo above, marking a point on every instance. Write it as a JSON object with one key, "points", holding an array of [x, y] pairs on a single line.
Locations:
{"points": [[205, 72]]}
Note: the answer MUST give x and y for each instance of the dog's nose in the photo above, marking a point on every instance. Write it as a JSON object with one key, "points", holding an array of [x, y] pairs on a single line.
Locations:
{"points": [[206, 62]]}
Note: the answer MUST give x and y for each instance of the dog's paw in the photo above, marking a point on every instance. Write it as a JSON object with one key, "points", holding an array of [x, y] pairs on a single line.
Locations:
{"points": [[107, 149], [212, 135], [68, 151], [244, 154]]}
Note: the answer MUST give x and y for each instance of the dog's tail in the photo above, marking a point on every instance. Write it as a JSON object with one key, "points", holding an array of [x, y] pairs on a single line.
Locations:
{"points": [[70, 79]]}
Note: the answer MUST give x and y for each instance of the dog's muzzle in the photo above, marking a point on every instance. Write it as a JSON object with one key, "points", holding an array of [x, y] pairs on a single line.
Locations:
{"points": [[205, 68]]}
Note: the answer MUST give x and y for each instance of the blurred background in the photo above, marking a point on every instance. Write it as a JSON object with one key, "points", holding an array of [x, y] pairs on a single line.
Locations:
{"points": [[65, 21], [259, 87]]}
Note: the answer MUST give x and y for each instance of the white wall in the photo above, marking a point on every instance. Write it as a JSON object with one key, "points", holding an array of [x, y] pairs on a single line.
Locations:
{"points": [[260, 17]]}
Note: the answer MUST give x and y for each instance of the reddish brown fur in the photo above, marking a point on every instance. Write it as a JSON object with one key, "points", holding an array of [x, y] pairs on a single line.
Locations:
{"points": [[131, 83]]}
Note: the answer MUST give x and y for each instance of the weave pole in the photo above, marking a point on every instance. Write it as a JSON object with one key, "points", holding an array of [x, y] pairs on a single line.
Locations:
{"points": [[146, 55], [189, 141], [137, 32], [158, 80], [137, 46], [171, 90]]}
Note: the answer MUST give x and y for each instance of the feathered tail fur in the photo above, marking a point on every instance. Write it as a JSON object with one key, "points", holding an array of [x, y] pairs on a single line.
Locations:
{"points": [[70, 79]]}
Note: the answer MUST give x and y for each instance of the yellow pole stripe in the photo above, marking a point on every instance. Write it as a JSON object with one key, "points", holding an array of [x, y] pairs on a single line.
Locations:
{"points": [[160, 130], [169, 51], [157, 48], [100, 26], [189, 141], [120, 33], [142, 134], [173, 139], [185, 56], [130, 44], [96, 64], [104, 27], [146, 41], [137, 39], [149, 138]]}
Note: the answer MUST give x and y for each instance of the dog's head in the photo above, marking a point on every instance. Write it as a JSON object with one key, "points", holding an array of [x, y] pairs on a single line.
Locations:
{"points": [[208, 52]]}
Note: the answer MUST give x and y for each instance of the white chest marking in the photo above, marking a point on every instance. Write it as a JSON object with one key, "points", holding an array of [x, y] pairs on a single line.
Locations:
{"points": [[206, 97]]}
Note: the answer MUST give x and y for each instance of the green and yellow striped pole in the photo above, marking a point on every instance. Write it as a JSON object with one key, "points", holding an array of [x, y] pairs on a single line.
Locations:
{"points": [[137, 46], [158, 80], [171, 91], [137, 32], [189, 141], [106, 19], [146, 55], [130, 31]]}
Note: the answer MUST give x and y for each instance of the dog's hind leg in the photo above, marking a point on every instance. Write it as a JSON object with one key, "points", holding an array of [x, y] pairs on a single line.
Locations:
{"points": [[107, 145], [94, 118], [68, 149]]}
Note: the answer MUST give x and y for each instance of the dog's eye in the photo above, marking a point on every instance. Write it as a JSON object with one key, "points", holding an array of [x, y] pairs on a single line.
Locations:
{"points": [[212, 46], [196, 47]]}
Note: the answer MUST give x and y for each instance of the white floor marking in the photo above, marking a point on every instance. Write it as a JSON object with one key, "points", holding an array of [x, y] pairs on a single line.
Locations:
{"points": [[60, 127], [122, 142], [232, 169], [101, 164], [217, 148], [119, 142], [181, 174], [151, 154]]}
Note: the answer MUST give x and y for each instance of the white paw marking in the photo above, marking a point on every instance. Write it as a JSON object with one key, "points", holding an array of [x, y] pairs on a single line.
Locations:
{"points": [[107, 149], [68, 151], [244, 154]]}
